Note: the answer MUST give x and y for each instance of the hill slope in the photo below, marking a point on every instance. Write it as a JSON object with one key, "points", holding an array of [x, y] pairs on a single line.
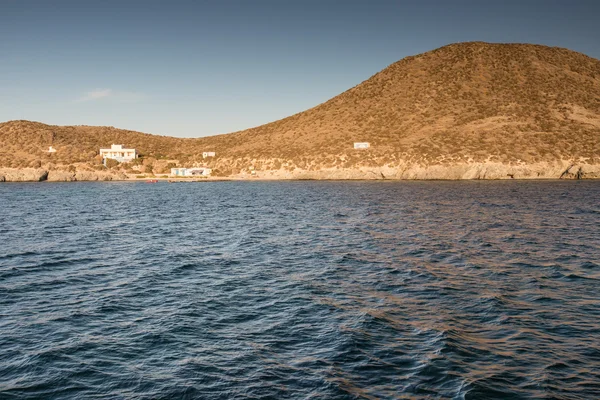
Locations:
{"points": [[25, 142], [498, 99], [462, 103]]}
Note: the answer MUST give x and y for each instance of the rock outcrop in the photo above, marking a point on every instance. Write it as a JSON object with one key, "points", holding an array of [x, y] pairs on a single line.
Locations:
{"points": [[23, 175], [38, 175], [61, 176], [469, 171], [66, 176], [99, 176]]}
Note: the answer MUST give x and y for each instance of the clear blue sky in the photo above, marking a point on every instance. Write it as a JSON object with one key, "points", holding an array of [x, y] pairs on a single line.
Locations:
{"points": [[197, 68]]}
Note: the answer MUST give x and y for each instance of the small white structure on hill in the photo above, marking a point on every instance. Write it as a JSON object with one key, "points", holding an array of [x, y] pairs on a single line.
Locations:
{"points": [[361, 145], [51, 149], [117, 152], [208, 154], [200, 171]]}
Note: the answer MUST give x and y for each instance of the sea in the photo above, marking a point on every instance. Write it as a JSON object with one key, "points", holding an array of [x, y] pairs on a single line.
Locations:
{"points": [[300, 290]]}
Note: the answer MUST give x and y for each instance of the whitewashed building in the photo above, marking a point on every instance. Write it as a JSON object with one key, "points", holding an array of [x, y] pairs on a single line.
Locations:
{"points": [[361, 145], [51, 149], [200, 171], [208, 154], [117, 152]]}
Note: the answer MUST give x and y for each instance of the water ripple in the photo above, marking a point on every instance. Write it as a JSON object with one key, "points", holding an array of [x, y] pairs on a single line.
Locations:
{"points": [[261, 290]]}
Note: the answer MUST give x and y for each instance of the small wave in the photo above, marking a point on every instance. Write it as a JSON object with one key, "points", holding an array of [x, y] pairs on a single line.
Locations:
{"points": [[10, 256]]}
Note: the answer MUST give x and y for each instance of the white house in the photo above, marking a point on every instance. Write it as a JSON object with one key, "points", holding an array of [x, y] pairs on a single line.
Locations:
{"points": [[117, 152], [208, 154], [361, 145], [51, 149], [201, 171]]}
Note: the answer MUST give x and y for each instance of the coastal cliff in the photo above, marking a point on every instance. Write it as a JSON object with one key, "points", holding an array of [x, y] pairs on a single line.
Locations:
{"points": [[472, 171], [39, 175], [23, 175]]}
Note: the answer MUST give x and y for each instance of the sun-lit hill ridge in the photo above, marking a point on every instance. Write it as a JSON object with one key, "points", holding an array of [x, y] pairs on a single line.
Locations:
{"points": [[506, 100], [508, 103]]}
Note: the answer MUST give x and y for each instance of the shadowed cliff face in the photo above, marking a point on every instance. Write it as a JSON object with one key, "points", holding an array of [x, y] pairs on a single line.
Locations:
{"points": [[462, 103]]}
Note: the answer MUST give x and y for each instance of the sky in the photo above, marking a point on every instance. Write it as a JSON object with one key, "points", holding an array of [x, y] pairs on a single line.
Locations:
{"points": [[197, 68]]}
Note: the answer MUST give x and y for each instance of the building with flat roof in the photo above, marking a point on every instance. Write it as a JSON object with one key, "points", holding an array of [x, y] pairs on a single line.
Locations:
{"points": [[117, 152], [361, 145]]}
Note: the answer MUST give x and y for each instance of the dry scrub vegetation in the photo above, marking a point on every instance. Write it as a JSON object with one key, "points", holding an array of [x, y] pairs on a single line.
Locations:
{"points": [[512, 103]]}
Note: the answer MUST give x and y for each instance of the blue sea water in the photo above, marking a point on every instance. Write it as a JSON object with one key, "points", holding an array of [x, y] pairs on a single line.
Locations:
{"points": [[300, 290]]}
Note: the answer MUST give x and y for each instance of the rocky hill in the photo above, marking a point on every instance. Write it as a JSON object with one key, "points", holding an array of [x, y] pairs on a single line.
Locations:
{"points": [[523, 108], [26, 143]]}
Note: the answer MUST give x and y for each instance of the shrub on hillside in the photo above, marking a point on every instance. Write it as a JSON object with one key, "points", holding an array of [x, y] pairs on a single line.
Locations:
{"points": [[110, 163]]}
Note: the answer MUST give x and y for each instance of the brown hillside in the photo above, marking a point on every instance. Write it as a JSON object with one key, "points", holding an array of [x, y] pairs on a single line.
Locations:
{"points": [[26, 142], [516, 101], [467, 101]]}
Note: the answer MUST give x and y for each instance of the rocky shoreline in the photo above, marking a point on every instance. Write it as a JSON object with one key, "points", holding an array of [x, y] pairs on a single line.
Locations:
{"points": [[41, 175], [467, 171]]}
